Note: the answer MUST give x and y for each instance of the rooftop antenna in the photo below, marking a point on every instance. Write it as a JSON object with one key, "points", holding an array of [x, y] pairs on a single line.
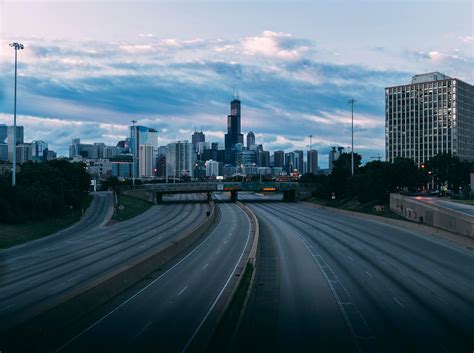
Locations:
{"points": [[310, 142]]}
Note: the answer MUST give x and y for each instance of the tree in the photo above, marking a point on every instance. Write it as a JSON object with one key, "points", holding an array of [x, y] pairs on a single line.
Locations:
{"points": [[447, 168]]}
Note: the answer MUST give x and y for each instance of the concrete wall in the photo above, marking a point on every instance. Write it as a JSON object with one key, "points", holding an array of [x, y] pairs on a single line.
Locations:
{"points": [[140, 194], [432, 215]]}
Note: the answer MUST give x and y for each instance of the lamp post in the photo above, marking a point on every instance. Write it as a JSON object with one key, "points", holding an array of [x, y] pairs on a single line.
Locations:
{"points": [[135, 151], [351, 102], [16, 46]]}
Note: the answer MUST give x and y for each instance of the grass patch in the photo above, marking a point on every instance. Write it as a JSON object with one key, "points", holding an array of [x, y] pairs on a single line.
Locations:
{"points": [[129, 207], [15, 234], [221, 340], [356, 206]]}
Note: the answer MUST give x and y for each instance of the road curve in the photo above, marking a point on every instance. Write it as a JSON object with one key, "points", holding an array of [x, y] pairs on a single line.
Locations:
{"points": [[166, 314], [33, 281], [393, 289]]}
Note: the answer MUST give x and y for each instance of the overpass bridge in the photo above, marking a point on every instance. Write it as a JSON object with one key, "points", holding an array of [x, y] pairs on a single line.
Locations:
{"points": [[289, 189]]}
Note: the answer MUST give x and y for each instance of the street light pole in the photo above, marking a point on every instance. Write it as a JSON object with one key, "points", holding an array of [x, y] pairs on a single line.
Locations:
{"points": [[16, 46], [351, 102]]}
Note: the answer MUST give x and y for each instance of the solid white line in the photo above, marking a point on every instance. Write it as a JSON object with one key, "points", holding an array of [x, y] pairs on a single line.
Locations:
{"points": [[73, 278], [182, 290], [223, 288], [369, 274], [142, 329], [137, 293], [398, 301]]}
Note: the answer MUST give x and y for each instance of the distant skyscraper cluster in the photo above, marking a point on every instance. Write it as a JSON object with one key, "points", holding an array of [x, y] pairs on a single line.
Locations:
{"points": [[36, 151]]}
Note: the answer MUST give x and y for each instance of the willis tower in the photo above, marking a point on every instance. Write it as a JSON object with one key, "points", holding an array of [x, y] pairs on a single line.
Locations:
{"points": [[233, 135]]}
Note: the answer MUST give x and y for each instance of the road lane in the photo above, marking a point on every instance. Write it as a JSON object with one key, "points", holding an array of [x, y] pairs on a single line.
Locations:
{"points": [[407, 292], [30, 283], [165, 314]]}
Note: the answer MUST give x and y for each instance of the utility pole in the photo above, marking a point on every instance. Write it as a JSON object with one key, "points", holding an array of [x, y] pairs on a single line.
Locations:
{"points": [[134, 130], [16, 46], [351, 102]]}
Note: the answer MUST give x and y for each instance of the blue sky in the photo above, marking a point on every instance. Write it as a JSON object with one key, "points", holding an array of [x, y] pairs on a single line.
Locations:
{"points": [[91, 67]]}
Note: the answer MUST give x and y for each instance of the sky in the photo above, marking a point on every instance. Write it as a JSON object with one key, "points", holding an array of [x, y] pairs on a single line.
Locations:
{"points": [[90, 67]]}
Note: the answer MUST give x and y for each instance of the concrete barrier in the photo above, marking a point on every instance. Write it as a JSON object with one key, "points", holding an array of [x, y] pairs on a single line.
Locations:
{"points": [[52, 317], [439, 217]]}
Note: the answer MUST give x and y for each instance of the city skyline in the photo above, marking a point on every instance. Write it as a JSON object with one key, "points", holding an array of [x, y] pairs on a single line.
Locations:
{"points": [[293, 81]]}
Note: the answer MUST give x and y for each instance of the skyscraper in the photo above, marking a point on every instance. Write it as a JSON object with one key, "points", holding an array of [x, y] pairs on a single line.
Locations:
{"points": [[312, 161], [250, 139], [19, 140], [197, 137], [431, 115], [334, 154], [145, 162], [234, 135], [180, 159], [279, 159], [142, 135], [298, 164]]}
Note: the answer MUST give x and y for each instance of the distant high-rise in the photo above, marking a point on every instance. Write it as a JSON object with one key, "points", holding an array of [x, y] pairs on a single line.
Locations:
{"points": [[19, 140], [142, 135], [250, 139], [180, 159], [3, 132], [433, 114], [334, 154], [145, 162], [3, 151], [38, 149], [279, 159], [289, 162], [298, 165], [312, 162], [198, 136], [233, 135]]}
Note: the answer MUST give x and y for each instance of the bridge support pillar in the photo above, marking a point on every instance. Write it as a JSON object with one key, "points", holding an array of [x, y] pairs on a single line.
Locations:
{"points": [[289, 196], [233, 196], [209, 197], [159, 197]]}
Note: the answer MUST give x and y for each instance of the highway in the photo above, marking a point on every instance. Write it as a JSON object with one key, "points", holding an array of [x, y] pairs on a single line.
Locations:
{"points": [[165, 315], [455, 206], [35, 278], [333, 283], [98, 213]]}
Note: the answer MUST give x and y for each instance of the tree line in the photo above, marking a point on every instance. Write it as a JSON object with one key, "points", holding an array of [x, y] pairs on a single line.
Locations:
{"points": [[43, 190], [374, 181]]}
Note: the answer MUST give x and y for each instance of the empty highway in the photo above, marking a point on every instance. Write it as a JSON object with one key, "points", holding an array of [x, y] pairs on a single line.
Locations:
{"points": [[33, 279], [165, 315], [333, 283]]}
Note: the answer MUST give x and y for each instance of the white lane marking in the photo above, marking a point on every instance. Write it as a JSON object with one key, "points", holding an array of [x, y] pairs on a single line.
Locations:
{"points": [[8, 307], [403, 273], [141, 247], [398, 301], [182, 290], [205, 266], [351, 258], [222, 290], [218, 251], [114, 259], [142, 329], [73, 278], [137, 293], [369, 274]]}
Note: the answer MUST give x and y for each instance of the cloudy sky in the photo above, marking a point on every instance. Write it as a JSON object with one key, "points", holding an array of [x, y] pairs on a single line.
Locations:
{"points": [[90, 67]]}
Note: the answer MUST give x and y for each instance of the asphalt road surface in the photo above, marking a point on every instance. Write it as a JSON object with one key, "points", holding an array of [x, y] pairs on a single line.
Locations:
{"points": [[333, 283], [39, 275], [99, 212], [455, 206], [165, 315]]}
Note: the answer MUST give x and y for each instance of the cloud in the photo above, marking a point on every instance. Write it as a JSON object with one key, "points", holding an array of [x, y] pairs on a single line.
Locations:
{"points": [[96, 89]]}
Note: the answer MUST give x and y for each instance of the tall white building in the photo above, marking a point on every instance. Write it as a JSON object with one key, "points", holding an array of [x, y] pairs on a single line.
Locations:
{"points": [[212, 168], [145, 161], [180, 159], [433, 114]]}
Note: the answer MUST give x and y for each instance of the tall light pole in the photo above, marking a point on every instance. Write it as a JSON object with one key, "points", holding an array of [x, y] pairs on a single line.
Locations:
{"points": [[134, 131], [16, 46], [351, 102]]}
